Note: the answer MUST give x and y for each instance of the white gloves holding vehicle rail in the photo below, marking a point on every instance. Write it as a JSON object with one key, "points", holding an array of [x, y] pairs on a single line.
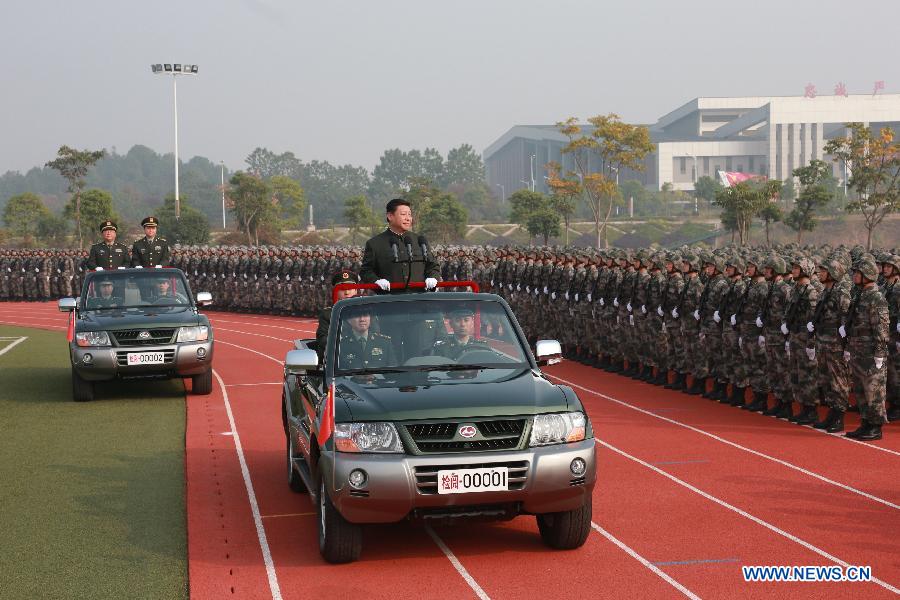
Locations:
{"points": [[430, 283], [384, 284]]}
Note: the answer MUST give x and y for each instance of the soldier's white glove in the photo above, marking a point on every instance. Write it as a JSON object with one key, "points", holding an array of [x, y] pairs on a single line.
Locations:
{"points": [[553, 296], [590, 297], [58, 271], [631, 320], [702, 336], [287, 277], [696, 315], [602, 301], [36, 270], [898, 327], [740, 342], [536, 291], [384, 284], [879, 362], [733, 320], [121, 267], [716, 317], [567, 295], [659, 311], [616, 302], [492, 283], [266, 276], [787, 348], [576, 296], [99, 269], [784, 328], [759, 322], [195, 272], [321, 278], [628, 307], [546, 290], [761, 340], [643, 309], [139, 267], [846, 356], [842, 331], [278, 278], [245, 276], [158, 267], [811, 353], [674, 313], [810, 327], [430, 283], [527, 289], [509, 286], [518, 287]]}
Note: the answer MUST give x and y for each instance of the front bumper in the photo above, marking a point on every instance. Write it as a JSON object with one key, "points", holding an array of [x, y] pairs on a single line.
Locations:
{"points": [[392, 493], [106, 363]]}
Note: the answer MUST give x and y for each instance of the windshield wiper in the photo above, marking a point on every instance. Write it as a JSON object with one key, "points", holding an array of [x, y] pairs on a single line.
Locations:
{"points": [[373, 371], [463, 367]]}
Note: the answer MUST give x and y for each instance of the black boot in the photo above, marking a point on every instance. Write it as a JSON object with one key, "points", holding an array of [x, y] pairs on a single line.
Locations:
{"points": [[662, 378], [697, 387], [616, 366], [771, 412], [807, 416], [760, 402], [863, 428], [737, 396], [893, 413], [871, 434], [672, 386], [720, 392], [648, 374], [837, 425], [828, 420]]}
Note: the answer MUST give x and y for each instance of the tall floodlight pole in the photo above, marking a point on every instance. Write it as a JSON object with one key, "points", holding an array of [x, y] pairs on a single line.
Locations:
{"points": [[223, 193], [502, 192], [532, 172], [175, 69]]}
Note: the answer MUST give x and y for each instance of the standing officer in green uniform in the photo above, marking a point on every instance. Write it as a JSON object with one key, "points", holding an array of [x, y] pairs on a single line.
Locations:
{"points": [[150, 251], [108, 254], [361, 348], [387, 256], [343, 276]]}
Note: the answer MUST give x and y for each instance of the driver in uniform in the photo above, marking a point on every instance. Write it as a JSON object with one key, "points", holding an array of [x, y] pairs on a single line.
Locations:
{"points": [[163, 293], [361, 348], [105, 299], [462, 322]]}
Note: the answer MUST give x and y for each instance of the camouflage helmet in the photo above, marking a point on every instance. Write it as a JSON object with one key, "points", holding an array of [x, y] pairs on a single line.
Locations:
{"points": [[737, 262], [893, 260], [777, 264], [867, 268], [807, 267], [693, 260]]}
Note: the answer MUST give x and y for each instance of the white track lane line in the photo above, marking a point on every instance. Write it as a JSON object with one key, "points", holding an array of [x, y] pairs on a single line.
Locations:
{"points": [[255, 334], [457, 565], [744, 514], [251, 495], [262, 325], [20, 324], [272, 358], [633, 554], [713, 436], [12, 345]]}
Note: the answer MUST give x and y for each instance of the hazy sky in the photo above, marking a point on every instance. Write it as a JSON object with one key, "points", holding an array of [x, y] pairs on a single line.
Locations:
{"points": [[344, 80]]}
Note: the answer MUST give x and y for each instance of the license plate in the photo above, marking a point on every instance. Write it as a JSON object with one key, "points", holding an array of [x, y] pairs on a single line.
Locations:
{"points": [[145, 358], [462, 481]]}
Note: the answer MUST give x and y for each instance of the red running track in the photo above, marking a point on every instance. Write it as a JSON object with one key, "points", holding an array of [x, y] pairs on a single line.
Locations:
{"points": [[688, 491]]}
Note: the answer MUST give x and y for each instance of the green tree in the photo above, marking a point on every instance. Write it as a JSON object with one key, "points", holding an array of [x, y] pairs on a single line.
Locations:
{"points": [[192, 227], [23, 213], [873, 160], [464, 167], [96, 207], [740, 203], [291, 200], [443, 219], [359, 216], [74, 165], [770, 213], [53, 230], [706, 188], [611, 145], [251, 201], [525, 202], [544, 223], [815, 193]]}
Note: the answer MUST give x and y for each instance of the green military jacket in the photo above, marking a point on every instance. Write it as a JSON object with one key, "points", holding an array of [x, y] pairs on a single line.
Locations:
{"points": [[378, 260], [453, 348], [150, 253], [108, 256], [376, 350]]}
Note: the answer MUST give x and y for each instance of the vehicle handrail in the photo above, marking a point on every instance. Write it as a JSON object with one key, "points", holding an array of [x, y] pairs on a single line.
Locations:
{"points": [[400, 286]]}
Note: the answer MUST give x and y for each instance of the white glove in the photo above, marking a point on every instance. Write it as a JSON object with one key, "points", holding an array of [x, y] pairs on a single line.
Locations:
{"points": [[733, 320], [643, 309], [492, 283], [716, 317], [536, 291], [121, 267], [36, 270], [590, 297], [628, 307], [631, 320], [158, 267], [567, 294], [846, 356], [616, 302], [527, 289], [740, 342], [674, 313], [139, 267], [702, 336], [518, 287], [278, 278], [195, 272], [430, 283], [659, 311], [787, 348], [761, 340], [545, 289], [759, 322], [384, 284], [321, 278], [810, 328], [266, 276], [287, 277], [696, 315], [879, 362], [99, 269], [509, 286], [784, 328], [576, 296], [602, 301], [811, 353], [553, 295], [898, 327], [842, 331]]}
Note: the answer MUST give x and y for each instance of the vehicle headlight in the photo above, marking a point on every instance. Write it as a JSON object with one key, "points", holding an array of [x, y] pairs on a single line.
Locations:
{"points": [[92, 338], [193, 334], [366, 437], [557, 428]]}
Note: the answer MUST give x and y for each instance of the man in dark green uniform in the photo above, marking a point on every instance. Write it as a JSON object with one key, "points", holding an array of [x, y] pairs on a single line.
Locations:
{"points": [[361, 348], [150, 251], [105, 297], [462, 321], [344, 276], [396, 254], [108, 254]]}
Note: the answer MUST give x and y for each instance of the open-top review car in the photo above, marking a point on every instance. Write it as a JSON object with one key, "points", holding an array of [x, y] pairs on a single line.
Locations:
{"points": [[432, 406], [138, 323]]}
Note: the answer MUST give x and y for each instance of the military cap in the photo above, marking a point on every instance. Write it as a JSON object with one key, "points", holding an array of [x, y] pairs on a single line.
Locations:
{"points": [[460, 312], [693, 260], [737, 262], [867, 268], [777, 264], [894, 260], [344, 276], [108, 225], [150, 222]]}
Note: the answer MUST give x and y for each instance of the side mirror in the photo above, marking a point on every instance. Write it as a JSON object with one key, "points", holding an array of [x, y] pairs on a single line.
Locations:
{"points": [[204, 298], [298, 362], [67, 304], [548, 352]]}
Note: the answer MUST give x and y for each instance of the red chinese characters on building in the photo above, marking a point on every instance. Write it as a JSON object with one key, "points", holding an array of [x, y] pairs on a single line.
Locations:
{"points": [[840, 89], [879, 85], [810, 90]]}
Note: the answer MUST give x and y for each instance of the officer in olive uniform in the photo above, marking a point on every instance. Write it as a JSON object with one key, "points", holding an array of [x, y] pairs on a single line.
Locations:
{"points": [[361, 348], [105, 297], [462, 321], [108, 254], [343, 276], [150, 251]]}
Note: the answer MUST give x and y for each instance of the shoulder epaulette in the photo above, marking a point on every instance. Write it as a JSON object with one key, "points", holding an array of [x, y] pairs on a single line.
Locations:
{"points": [[381, 335]]}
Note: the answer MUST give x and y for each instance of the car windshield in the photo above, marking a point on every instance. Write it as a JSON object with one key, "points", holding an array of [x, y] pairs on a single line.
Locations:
{"points": [[135, 289], [430, 335]]}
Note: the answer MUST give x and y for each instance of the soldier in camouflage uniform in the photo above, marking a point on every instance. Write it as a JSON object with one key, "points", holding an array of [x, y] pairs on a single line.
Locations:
{"points": [[687, 311], [803, 367], [674, 337], [657, 340], [890, 268], [732, 359], [777, 346], [717, 286], [751, 337]]}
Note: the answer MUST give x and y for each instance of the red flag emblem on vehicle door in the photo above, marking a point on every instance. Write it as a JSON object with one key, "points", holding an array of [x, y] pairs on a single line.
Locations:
{"points": [[467, 431], [326, 428]]}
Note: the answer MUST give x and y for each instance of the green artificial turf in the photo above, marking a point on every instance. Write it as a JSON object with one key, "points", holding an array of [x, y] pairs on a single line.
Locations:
{"points": [[91, 494]]}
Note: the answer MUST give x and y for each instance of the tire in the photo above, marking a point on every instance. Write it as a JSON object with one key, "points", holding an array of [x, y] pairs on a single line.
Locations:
{"points": [[201, 385], [566, 530], [82, 390], [340, 541], [295, 482]]}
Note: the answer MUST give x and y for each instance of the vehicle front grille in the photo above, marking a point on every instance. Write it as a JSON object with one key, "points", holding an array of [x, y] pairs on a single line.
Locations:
{"points": [[131, 337], [427, 476], [442, 436], [122, 357]]}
